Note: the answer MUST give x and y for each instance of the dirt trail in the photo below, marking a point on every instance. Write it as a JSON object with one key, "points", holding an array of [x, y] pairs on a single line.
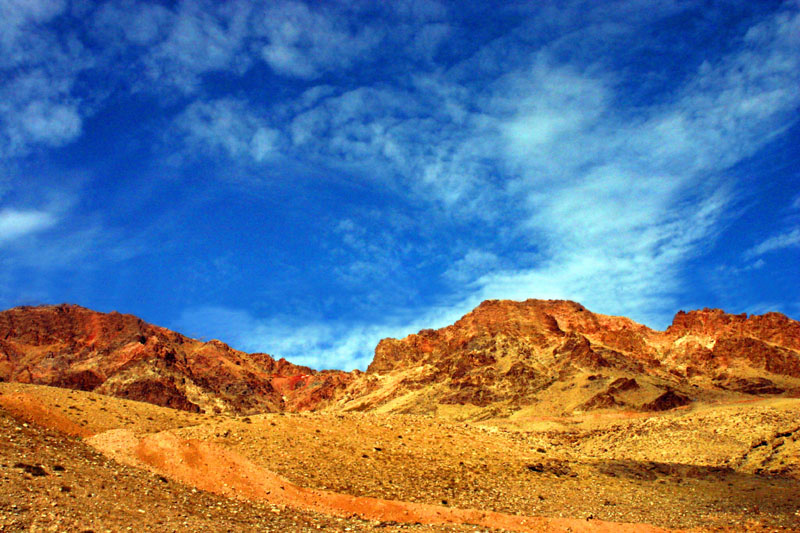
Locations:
{"points": [[219, 470]]}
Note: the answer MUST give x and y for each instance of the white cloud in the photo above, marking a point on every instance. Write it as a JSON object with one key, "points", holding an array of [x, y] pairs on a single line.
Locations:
{"points": [[473, 265], [618, 205], [264, 143], [420, 10], [140, 23], [53, 235], [17, 17], [16, 12], [318, 344], [15, 223], [428, 39], [173, 46], [420, 139], [40, 71], [229, 126], [202, 38], [294, 49], [50, 123], [296, 40], [548, 104], [375, 251], [615, 200], [26, 123], [522, 138], [788, 239]]}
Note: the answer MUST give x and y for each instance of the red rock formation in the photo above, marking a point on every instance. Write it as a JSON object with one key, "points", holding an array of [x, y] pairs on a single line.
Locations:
{"points": [[714, 340], [121, 355], [503, 353], [774, 328], [601, 400], [539, 342]]}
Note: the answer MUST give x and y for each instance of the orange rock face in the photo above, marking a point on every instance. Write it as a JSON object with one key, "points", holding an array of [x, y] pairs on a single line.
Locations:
{"points": [[121, 355], [502, 353], [509, 351]]}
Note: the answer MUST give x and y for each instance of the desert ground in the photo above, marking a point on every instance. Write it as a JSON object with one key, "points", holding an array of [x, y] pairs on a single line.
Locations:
{"points": [[81, 461]]}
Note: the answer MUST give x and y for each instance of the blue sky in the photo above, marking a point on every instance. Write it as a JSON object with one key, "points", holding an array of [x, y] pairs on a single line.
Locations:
{"points": [[307, 178]]}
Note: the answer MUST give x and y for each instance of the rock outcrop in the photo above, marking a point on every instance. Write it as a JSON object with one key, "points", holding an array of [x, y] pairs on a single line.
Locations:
{"points": [[544, 356], [517, 354], [121, 355]]}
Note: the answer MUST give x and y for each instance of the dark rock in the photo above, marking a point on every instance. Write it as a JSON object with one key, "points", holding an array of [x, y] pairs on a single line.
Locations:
{"points": [[668, 400], [34, 470], [623, 384], [758, 385], [601, 400]]}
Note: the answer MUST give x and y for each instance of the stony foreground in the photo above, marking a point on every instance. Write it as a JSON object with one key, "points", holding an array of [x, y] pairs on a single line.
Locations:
{"points": [[601, 472]]}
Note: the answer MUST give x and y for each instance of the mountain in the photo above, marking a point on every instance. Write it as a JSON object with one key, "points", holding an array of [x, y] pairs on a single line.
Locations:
{"points": [[585, 422], [540, 357], [123, 356], [557, 357]]}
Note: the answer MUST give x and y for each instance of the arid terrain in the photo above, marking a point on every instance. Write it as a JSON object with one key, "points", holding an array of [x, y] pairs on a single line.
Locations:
{"points": [[522, 416]]}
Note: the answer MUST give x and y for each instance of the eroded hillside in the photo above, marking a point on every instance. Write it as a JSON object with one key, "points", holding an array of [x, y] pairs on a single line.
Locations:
{"points": [[557, 357], [504, 358]]}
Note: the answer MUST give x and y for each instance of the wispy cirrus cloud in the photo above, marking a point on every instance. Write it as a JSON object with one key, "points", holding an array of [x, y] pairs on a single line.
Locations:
{"points": [[616, 200], [136, 22], [319, 344], [788, 239], [582, 152], [18, 16], [173, 46], [203, 37], [38, 73], [16, 223], [621, 202]]}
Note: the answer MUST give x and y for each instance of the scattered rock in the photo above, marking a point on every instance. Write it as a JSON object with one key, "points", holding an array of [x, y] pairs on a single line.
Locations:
{"points": [[34, 470]]}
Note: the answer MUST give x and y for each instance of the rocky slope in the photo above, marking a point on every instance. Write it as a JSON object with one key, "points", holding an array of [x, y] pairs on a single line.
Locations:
{"points": [[537, 357], [121, 355], [727, 467], [560, 357]]}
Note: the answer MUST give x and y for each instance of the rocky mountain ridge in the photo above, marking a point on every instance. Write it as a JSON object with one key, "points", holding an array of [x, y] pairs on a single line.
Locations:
{"points": [[558, 355], [121, 355], [504, 357]]}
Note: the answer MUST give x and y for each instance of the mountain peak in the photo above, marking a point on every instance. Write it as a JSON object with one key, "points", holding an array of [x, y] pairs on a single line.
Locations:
{"points": [[503, 355], [511, 353], [113, 353]]}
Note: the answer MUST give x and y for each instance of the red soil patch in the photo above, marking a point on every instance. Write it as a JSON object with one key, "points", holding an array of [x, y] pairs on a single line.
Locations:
{"points": [[26, 407], [219, 470], [286, 384]]}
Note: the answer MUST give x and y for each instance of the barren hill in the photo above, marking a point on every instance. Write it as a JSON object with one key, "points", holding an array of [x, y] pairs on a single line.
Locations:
{"points": [[722, 468], [559, 357], [548, 417], [121, 355], [504, 357]]}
